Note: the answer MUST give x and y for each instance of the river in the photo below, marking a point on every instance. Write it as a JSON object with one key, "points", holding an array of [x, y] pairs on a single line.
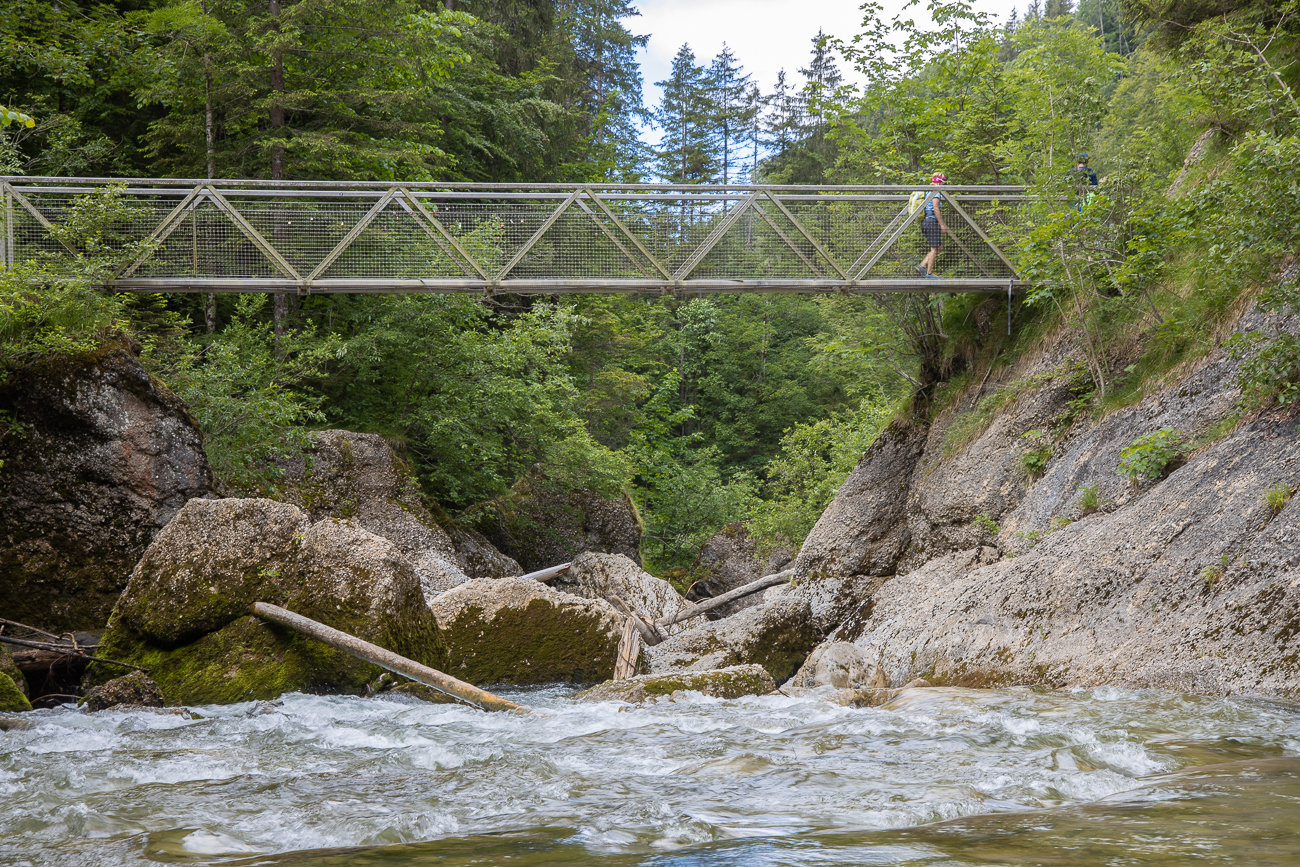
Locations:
{"points": [[937, 777]]}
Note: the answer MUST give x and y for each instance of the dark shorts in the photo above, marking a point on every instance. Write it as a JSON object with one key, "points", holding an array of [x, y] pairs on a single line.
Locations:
{"points": [[930, 229]]}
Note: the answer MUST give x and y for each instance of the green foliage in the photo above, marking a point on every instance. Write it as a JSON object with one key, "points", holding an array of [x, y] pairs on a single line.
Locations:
{"points": [[1278, 496], [804, 477], [1089, 499], [986, 525], [1147, 456], [1215, 572], [247, 390], [1034, 461]]}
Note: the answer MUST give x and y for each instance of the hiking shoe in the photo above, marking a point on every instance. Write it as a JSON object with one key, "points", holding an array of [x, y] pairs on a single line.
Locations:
{"points": [[920, 269]]}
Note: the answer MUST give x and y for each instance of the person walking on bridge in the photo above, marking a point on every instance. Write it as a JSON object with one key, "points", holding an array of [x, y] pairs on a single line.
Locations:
{"points": [[932, 226]]}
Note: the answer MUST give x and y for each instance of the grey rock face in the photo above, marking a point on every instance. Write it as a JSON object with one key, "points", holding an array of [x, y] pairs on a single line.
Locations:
{"points": [[864, 531], [104, 458], [1194, 585], [601, 576], [839, 664], [778, 637], [730, 559], [358, 477], [733, 682], [540, 526], [478, 558], [131, 690]]}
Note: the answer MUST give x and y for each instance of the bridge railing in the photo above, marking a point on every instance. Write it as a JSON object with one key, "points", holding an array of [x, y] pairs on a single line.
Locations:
{"points": [[313, 236]]}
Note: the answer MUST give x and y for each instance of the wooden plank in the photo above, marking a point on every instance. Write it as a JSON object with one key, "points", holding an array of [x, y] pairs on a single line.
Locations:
{"points": [[629, 650]]}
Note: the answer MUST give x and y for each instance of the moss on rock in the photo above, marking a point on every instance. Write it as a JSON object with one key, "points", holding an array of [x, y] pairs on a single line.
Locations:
{"points": [[11, 700], [523, 632], [732, 682], [9, 667]]}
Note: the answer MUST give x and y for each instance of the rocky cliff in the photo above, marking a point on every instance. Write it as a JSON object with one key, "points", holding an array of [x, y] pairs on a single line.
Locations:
{"points": [[98, 457], [945, 555]]}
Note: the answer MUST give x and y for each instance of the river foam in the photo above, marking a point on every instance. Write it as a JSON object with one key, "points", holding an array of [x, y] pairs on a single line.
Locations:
{"points": [[312, 774]]}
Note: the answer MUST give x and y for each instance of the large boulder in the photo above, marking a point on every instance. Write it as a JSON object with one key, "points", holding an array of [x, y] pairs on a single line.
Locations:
{"points": [[358, 477], [12, 699], [102, 457], [605, 576], [733, 682], [864, 531], [839, 664], [8, 667], [778, 636], [479, 558], [185, 614], [520, 631], [541, 524], [732, 558]]}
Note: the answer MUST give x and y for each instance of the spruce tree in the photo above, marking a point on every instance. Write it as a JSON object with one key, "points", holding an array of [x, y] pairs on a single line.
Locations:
{"points": [[734, 109], [687, 151]]}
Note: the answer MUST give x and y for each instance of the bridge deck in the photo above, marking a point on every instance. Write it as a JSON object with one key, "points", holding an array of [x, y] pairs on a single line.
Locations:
{"points": [[311, 237]]}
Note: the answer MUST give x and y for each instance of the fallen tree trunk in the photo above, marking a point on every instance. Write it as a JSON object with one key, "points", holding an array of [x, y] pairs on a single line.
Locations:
{"points": [[643, 624], [373, 653], [730, 596], [548, 573]]}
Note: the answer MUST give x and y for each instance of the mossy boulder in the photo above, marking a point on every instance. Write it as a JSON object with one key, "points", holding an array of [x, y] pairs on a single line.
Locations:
{"points": [[732, 558], [360, 478], [520, 631], [777, 636], [12, 700], [602, 576], [732, 682], [9, 667], [102, 458], [185, 615], [208, 566]]}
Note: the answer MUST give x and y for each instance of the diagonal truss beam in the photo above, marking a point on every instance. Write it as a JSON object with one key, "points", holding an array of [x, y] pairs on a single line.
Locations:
{"points": [[985, 238], [440, 234], [40, 218], [341, 247], [715, 236], [893, 236], [785, 239], [537, 236], [608, 234], [164, 229], [264, 246], [613, 218], [808, 235]]}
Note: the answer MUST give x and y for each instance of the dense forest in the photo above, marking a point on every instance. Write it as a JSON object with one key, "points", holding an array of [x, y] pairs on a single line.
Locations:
{"points": [[707, 411]]}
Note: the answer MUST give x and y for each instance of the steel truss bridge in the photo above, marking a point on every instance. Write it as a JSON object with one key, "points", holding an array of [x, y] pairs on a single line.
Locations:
{"points": [[313, 237]]}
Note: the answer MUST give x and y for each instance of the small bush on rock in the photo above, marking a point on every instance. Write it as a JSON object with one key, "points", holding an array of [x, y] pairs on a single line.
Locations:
{"points": [[986, 525], [1034, 461], [1278, 496], [1147, 456]]}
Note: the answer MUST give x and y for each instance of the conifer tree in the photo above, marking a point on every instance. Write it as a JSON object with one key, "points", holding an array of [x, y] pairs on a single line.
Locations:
{"points": [[734, 109], [687, 151]]}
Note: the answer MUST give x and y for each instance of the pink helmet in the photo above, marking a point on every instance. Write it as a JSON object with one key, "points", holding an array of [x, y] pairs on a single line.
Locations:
{"points": [[939, 178]]}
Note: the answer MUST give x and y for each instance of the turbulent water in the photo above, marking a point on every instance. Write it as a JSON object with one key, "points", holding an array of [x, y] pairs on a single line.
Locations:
{"points": [[937, 777]]}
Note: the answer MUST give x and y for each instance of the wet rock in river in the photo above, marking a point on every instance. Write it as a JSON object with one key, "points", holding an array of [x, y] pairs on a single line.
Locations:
{"points": [[13, 699], [778, 637], [731, 682], [8, 667], [185, 614], [132, 690], [520, 631], [840, 664]]}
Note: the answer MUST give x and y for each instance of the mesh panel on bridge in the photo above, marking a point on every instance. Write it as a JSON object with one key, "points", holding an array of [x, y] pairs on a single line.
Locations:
{"points": [[256, 236]]}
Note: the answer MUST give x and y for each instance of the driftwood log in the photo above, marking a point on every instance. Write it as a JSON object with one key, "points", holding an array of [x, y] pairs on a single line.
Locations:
{"points": [[548, 573], [629, 650], [730, 596], [41, 655], [373, 653]]}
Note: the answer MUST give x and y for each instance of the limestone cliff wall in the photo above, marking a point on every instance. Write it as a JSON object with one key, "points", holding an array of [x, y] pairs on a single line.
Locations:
{"points": [[1190, 582]]}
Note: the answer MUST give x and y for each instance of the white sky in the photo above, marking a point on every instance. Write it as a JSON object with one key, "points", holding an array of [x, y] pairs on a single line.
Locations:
{"points": [[766, 35]]}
